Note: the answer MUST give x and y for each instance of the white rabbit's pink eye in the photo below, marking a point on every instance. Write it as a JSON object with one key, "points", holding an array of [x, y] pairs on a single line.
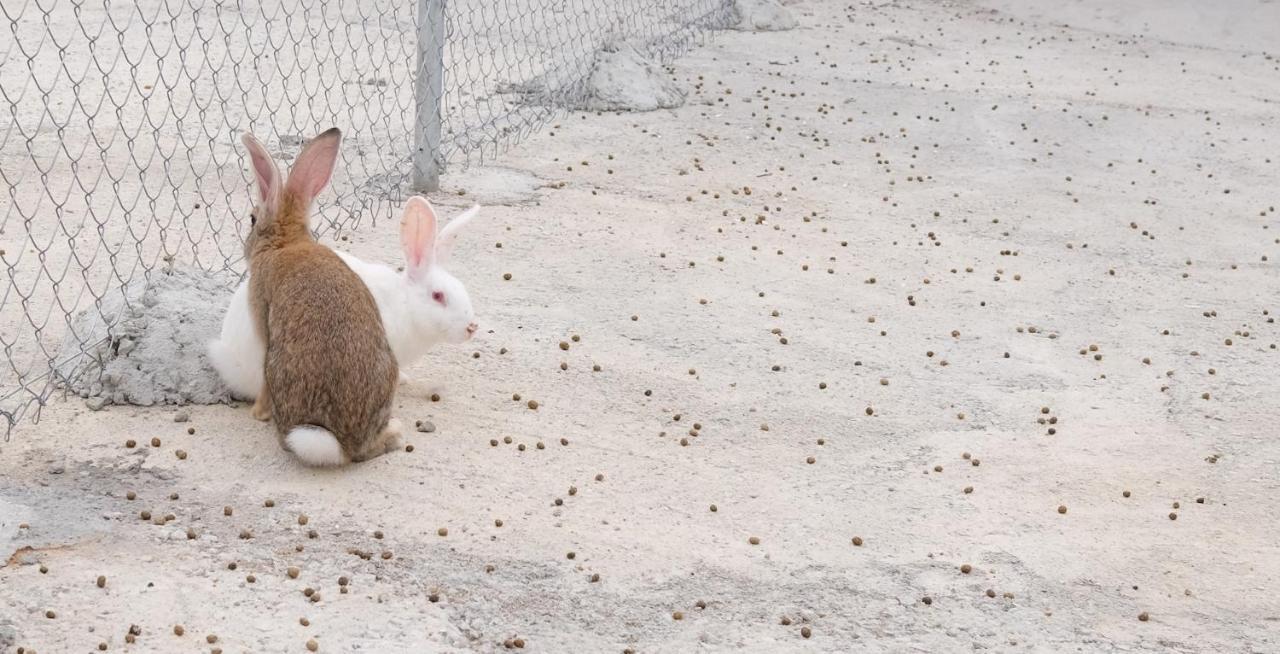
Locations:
{"points": [[438, 297]]}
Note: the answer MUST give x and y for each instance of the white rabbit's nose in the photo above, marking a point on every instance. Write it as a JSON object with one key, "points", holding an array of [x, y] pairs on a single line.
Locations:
{"points": [[471, 329]]}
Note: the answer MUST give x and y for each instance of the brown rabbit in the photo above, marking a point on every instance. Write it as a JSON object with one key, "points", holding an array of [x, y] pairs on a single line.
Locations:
{"points": [[330, 373]]}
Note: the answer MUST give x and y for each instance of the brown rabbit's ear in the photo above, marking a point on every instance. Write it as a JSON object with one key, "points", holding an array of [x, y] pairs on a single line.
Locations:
{"points": [[314, 166], [265, 171], [418, 233]]}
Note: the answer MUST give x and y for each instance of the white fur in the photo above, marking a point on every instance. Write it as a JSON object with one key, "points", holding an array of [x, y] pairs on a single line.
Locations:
{"points": [[414, 322], [315, 446], [238, 354]]}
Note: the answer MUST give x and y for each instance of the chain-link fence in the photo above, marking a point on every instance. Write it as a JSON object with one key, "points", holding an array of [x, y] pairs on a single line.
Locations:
{"points": [[120, 124]]}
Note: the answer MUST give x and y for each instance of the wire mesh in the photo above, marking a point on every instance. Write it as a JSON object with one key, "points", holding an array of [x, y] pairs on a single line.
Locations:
{"points": [[120, 124]]}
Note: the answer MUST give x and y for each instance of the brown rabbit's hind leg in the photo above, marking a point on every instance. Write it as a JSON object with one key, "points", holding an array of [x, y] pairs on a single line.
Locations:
{"points": [[390, 436], [262, 406], [383, 442]]}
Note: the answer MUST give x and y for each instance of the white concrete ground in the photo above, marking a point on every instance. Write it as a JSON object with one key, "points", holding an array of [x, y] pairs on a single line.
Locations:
{"points": [[989, 286]]}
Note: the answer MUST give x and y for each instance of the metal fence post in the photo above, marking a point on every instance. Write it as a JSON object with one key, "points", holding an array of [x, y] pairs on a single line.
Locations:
{"points": [[429, 96]]}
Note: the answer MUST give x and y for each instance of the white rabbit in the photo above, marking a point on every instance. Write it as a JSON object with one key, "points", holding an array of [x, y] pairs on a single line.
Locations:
{"points": [[420, 307]]}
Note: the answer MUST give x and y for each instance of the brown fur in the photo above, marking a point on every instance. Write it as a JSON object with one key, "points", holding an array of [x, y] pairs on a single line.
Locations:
{"points": [[328, 362]]}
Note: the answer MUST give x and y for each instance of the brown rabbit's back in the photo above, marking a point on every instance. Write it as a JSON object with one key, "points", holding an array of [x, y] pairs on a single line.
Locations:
{"points": [[328, 361]]}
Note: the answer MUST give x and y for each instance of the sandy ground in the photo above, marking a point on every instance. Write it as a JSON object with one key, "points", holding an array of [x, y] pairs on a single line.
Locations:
{"points": [[988, 287]]}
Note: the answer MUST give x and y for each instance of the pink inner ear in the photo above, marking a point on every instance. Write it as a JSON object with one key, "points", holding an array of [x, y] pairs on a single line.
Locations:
{"points": [[314, 165], [418, 233], [264, 168]]}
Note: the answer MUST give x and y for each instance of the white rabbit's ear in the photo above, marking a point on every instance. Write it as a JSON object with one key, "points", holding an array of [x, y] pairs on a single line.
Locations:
{"points": [[265, 171], [449, 235], [418, 233], [314, 166]]}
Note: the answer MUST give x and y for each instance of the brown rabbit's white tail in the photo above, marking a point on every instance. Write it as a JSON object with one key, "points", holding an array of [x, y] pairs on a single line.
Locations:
{"points": [[315, 446]]}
